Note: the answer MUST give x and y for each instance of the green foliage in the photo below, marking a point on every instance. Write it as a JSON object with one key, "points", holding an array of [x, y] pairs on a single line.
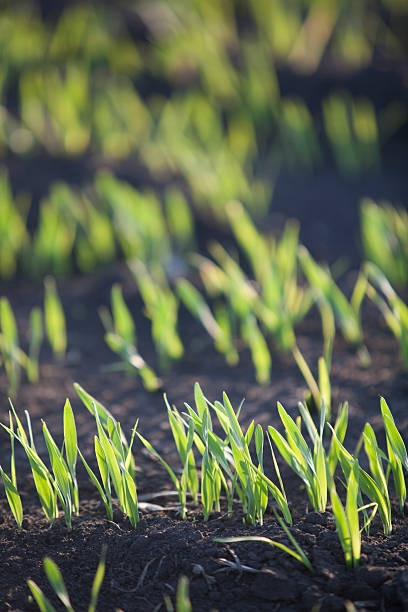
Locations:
{"points": [[309, 465], [161, 306], [55, 325], [384, 236], [57, 583], [347, 521], [120, 336], [392, 307]]}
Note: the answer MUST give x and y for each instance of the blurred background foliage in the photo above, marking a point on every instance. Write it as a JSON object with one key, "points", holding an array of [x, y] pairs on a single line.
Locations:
{"points": [[211, 97]]}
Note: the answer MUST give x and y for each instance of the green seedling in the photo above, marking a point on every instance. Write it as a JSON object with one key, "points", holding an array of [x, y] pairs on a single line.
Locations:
{"points": [[12, 356], [340, 429], [347, 313], [319, 391], [387, 226], [371, 485], [36, 338], [114, 463], [296, 552], [53, 241], [179, 221], [13, 233], [62, 483], [397, 453], [43, 479], [120, 336], [198, 307], [243, 304], [55, 325], [252, 481], [183, 603], [138, 220], [57, 583], [309, 465], [95, 240], [161, 306], [351, 126], [217, 462], [10, 484], [282, 303], [259, 349], [394, 310], [347, 521]]}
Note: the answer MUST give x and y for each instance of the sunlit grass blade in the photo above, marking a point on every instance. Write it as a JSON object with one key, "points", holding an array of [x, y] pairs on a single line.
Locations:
{"points": [[57, 582], [55, 325], [107, 501], [13, 498], [40, 599], [36, 337], [98, 580], [71, 450]]}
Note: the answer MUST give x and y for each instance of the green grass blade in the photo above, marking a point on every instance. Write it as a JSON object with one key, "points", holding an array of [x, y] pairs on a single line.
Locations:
{"points": [[98, 579], [40, 599], [54, 318], [70, 438], [13, 498], [55, 578]]}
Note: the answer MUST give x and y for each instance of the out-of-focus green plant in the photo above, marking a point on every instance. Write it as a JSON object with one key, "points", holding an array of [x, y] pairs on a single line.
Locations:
{"points": [[394, 310], [55, 325], [384, 235], [352, 130], [13, 234], [121, 338], [161, 306], [56, 581]]}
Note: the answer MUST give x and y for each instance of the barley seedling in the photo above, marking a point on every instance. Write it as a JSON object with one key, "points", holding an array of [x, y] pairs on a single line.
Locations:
{"points": [[161, 307], [217, 461], [11, 355], [62, 483], [387, 226], [120, 336], [309, 465], [346, 312], [394, 310], [13, 233], [251, 479], [195, 303], [367, 483], [36, 337], [57, 582], [105, 417], [397, 453], [347, 521], [43, 479], [183, 603], [10, 484], [114, 463], [55, 325]]}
